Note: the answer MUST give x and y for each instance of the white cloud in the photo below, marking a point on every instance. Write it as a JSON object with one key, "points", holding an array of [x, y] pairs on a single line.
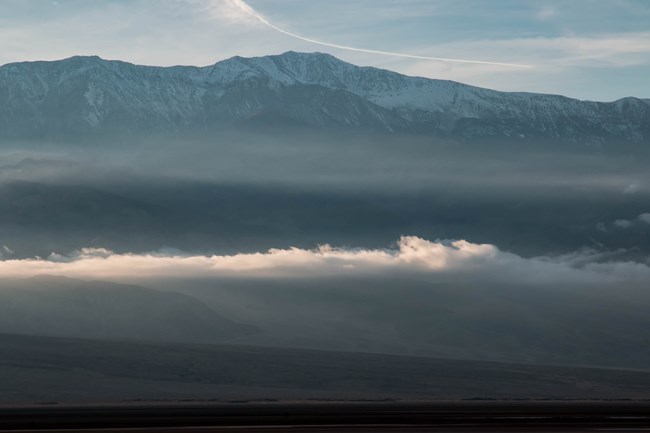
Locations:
{"points": [[614, 49], [632, 188], [644, 217], [546, 13], [232, 11], [624, 224], [412, 253], [461, 260]]}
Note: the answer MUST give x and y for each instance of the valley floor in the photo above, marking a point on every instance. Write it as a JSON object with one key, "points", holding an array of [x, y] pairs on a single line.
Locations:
{"points": [[50, 371]]}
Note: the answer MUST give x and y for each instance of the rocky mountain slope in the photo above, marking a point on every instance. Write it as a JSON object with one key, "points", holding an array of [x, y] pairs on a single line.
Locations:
{"points": [[91, 95]]}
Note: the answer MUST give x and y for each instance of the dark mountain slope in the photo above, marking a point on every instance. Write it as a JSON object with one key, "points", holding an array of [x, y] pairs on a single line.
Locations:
{"points": [[58, 306]]}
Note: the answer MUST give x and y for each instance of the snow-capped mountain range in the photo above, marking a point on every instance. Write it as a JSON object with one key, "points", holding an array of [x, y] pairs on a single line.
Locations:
{"points": [[81, 95]]}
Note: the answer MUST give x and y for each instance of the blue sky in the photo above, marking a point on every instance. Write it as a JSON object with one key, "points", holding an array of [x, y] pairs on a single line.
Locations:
{"points": [[589, 49]]}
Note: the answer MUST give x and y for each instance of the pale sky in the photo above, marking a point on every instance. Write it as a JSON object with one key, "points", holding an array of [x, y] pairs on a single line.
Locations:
{"points": [[588, 49]]}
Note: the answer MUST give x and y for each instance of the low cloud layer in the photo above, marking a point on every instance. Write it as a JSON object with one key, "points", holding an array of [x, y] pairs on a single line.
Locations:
{"points": [[411, 255], [454, 299]]}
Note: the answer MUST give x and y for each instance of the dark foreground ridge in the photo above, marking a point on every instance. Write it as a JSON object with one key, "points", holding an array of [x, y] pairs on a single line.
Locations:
{"points": [[359, 417], [71, 371]]}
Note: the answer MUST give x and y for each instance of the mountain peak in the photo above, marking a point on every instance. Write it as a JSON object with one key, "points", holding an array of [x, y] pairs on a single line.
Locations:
{"points": [[88, 59], [315, 55]]}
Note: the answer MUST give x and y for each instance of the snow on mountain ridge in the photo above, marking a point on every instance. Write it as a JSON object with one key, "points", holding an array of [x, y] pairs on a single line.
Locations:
{"points": [[385, 88], [108, 92], [392, 90]]}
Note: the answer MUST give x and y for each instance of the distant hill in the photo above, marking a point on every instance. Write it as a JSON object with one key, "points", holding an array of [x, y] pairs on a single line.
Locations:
{"points": [[58, 306], [89, 95]]}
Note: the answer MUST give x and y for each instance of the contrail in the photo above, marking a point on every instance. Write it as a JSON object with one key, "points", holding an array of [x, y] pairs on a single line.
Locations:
{"points": [[243, 6]]}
